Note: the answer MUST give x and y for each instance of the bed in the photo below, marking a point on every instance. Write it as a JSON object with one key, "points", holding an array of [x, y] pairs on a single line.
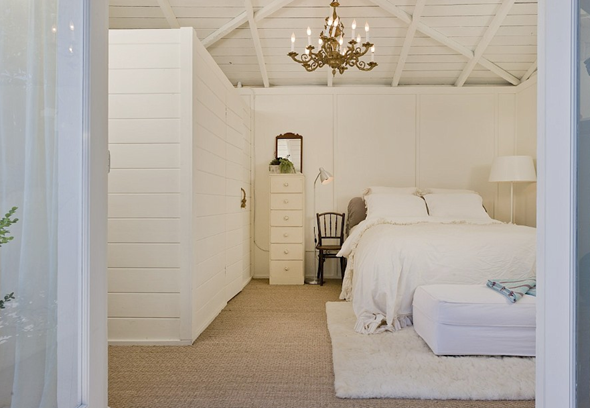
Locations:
{"points": [[400, 246]]}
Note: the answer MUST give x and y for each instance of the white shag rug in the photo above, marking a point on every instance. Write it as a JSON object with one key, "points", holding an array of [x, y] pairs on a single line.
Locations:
{"points": [[401, 365]]}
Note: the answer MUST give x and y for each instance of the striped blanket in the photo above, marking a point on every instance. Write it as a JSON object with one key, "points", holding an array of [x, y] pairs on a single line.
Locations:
{"points": [[514, 289]]}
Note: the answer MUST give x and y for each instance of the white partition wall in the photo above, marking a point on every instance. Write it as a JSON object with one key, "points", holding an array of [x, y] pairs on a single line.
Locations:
{"points": [[425, 137], [179, 140]]}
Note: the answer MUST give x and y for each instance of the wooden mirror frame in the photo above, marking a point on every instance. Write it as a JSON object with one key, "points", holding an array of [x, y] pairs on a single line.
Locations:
{"points": [[290, 136]]}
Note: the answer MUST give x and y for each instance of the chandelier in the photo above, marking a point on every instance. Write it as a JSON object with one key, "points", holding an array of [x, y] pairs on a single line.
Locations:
{"points": [[332, 51]]}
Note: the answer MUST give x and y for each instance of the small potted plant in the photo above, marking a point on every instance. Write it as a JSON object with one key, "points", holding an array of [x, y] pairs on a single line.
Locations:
{"points": [[286, 166], [281, 165], [275, 165]]}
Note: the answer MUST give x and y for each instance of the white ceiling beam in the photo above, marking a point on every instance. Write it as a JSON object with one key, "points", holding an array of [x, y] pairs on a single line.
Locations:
{"points": [[529, 72], [225, 30], [257, 44], [168, 13], [241, 19], [485, 41], [401, 62], [499, 71], [441, 38]]}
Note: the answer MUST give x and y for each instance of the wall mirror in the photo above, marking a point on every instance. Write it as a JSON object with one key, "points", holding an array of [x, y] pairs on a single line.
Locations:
{"points": [[290, 145]]}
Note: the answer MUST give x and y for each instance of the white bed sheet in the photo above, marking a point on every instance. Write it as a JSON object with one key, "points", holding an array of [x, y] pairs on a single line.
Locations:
{"points": [[389, 258]]}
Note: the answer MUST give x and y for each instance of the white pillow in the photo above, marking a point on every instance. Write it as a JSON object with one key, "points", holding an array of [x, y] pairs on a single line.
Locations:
{"points": [[395, 205], [389, 190], [459, 206], [424, 191]]}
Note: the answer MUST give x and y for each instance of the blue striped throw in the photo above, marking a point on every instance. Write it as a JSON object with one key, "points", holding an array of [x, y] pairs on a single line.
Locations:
{"points": [[514, 289]]}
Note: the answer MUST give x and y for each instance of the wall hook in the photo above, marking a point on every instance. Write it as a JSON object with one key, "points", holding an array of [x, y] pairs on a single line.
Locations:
{"points": [[243, 198]]}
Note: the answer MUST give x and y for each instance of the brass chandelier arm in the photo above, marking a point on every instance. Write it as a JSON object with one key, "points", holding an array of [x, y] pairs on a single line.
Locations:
{"points": [[365, 66], [353, 59], [310, 61], [360, 53]]}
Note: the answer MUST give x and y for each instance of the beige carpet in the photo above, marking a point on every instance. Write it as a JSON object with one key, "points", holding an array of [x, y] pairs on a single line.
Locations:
{"points": [[269, 347]]}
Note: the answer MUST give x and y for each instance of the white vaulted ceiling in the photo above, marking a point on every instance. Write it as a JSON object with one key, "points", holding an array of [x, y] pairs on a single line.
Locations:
{"points": [[418, 42]]}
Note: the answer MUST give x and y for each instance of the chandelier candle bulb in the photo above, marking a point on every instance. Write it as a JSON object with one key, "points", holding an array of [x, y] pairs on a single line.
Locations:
{"points": [[367, 30], [292, 42], [353, 28], [358, 40], [373, 53], [308, 36]]}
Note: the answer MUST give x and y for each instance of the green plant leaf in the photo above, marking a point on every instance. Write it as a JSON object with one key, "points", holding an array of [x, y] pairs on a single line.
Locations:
{"points": [[5, 223]]}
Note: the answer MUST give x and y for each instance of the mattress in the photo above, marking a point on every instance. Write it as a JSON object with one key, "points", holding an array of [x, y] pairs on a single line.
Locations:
{"points": [[474, 320]]}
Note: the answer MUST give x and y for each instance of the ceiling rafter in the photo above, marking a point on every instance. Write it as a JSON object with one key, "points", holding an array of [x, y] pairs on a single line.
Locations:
{"points": [[408, 42], [441, 38], [225, 30], [485, 41], [529, 72], [168, 13], [257, 44], [241, 19]]}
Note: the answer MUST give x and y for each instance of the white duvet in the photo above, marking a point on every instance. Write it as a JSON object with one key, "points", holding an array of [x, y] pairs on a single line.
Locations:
{"points": [[389, 258]]}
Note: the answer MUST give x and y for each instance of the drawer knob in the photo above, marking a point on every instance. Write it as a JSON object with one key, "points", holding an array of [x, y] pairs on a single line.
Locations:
{"points": [[286, 218], [285, 234], [286, 184], [286, 201], [286, 268], [286, 251]]}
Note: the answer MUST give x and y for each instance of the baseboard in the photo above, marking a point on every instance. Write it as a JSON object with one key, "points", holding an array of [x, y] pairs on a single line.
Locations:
{"points": [[150, 342], [310, 277]]}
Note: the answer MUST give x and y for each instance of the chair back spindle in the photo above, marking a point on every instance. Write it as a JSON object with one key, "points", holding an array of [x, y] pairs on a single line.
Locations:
{"points": [[330, 226]]}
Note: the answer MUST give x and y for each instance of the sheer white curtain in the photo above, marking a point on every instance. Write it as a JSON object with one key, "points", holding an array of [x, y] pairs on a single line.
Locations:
{"points": [[28, 159]]}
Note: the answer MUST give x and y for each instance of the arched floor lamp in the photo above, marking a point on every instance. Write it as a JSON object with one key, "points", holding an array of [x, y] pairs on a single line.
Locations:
{"points": [[325, 178]]}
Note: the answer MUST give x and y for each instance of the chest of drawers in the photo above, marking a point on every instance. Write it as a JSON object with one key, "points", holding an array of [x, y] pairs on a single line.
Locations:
{"points": [[287, 217]]}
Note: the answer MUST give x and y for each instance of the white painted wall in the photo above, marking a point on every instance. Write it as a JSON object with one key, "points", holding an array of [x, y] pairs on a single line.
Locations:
{"points": [[221, 157], [429, 137], [145, 274], [180, 152]]}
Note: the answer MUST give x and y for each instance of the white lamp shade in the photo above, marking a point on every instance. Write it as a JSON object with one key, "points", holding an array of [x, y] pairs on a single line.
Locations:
{"points": [[325, 177], [513, 169]]}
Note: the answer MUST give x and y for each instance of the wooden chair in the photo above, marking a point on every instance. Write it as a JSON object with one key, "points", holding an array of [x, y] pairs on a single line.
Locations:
{"points": [[330, 237]]}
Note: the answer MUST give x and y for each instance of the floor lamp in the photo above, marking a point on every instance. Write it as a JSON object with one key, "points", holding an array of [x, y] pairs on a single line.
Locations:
{"points": [[325, 178], [513, 169]]}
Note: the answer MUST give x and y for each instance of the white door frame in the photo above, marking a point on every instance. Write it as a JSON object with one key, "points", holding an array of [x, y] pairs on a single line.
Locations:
{"points": [[94, 354], [556, 167], [556, 171]]}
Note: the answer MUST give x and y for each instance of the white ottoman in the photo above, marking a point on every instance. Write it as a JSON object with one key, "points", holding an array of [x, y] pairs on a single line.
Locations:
{"points": [[474, 320]]}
